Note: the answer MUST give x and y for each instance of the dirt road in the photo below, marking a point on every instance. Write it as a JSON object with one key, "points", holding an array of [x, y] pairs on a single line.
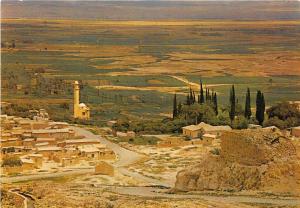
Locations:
{"points": [[160, 193]]}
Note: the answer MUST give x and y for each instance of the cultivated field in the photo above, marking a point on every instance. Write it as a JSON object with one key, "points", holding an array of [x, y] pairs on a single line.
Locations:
{"points": [[138, 65]]}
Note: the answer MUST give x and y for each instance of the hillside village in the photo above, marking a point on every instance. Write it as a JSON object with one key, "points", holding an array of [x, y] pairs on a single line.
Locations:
{"points": [[42, 145]]}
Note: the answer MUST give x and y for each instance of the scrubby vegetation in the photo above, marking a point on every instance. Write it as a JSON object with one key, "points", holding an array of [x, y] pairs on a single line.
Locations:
{"points": [[283, 115], [11, 161]]}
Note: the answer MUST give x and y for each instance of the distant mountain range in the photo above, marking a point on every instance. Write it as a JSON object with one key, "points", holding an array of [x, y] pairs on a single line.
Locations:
{"points": [[153, 10]]}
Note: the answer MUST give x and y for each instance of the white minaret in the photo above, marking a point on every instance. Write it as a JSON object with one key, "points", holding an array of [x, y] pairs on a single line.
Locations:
{"points": [[76, 98]]}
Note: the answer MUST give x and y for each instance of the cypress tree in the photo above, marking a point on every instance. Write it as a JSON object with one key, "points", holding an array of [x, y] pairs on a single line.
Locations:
{"points": [[232, 104], [260, 107], [201, 99], [215, 103], [263, 108], [188, 99], [179, 109], [191, 96], [175, 112], [248, 105], [206, 94], [194, 97]]}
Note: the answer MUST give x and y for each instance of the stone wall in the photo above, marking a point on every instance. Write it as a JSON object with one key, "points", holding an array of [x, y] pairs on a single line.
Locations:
{"points": [[254, 147]]}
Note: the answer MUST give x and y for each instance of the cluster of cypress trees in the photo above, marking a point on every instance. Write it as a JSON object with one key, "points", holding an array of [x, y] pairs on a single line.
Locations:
{"points": [[260, 105], [210, 98]]}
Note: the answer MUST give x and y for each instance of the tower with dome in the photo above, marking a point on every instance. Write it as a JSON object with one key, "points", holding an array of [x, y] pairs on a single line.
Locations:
{"points": [[81, 111]]}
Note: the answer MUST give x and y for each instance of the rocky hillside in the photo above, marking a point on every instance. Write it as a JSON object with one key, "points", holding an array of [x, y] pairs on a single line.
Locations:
{"points": [[248, 160]]}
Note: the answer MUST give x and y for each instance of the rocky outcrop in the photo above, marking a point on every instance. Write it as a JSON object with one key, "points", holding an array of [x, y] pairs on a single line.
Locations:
{"points": [[248, 160]]}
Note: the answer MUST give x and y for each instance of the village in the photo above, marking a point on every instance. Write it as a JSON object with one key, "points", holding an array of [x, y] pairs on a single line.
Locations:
{"points": [[41, 145]]}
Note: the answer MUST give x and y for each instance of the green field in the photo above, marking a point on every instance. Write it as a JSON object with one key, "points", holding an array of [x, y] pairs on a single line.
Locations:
{"points": [[133, 62]]}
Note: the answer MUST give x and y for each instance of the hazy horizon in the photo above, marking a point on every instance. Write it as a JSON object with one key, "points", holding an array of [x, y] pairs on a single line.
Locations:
{"points": [[153, 10]]}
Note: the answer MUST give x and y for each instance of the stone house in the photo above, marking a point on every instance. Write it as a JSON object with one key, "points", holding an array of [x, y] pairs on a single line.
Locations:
{"points": [[207, 139], [49, 151], [69, 161], [51, 141], [27, 164], [37, 159], [192, 131], [196, 131], [56, 133]]}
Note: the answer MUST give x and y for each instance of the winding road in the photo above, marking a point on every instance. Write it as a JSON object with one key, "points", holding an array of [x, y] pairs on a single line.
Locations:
{"points": [[125, 158]]}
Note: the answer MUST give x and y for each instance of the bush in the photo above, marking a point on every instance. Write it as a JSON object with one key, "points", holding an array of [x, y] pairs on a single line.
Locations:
{"points": [[215, 151], [284, 111], [275, 121], [240, 123], [11, 162], [283, 115]]}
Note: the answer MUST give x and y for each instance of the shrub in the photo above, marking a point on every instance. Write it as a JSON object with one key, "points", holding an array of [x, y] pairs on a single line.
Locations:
{"points": [[11, 162], [283, 115], [215, 151], [275, 121], [240, 123]]}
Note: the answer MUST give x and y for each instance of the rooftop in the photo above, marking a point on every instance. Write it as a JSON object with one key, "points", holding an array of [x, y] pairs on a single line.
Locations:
{"points": [[45, 139], [88, 148], [71, 141], [49, 148], [207, 127], [41, 131]]}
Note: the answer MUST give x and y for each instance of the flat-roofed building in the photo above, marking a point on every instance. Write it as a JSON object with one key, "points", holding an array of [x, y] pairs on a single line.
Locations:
{"points": [[195, 131], [29, 142], [49, 151], [11, 142], [37, 159], [192, 131], [50, 140], [78, 142], [58, 125], [57, 133], [27, 164]]}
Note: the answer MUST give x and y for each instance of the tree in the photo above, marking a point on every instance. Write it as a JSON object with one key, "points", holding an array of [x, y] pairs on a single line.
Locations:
{"points": [[175, 111], [188, 102], [215, 103], [201, 99], [260, 107], [248, 105], [179, 109], [232, 104]]}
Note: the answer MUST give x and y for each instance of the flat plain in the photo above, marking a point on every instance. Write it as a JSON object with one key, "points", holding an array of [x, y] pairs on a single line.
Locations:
{"points": [[145, 62]]}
